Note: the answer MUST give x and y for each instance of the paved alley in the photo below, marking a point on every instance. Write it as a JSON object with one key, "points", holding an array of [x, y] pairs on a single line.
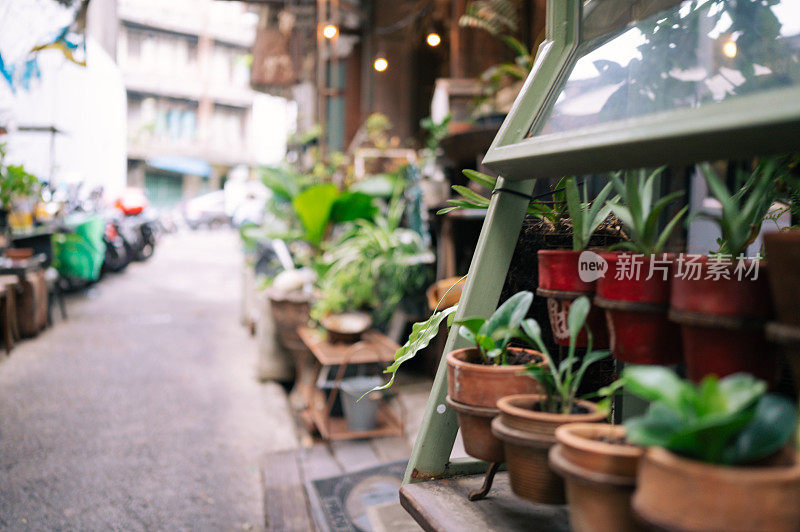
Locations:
{"points": [[141, 411]]}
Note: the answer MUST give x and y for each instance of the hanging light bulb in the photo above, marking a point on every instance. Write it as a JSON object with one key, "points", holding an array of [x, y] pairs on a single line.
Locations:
{"points": [[380, 64], [330, 31], [730, 49], [433, 39]]}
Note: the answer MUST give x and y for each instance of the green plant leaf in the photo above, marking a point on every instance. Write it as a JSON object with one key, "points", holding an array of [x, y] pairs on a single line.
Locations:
{"points": [[655, 383], [350, 206], [656, 428], [509, 314], [740, 390], [578, 311], [665, 234], [719, 421], [421, 335], [473, 324], [471, 196], [484, 180], [770, 430], [493, 353], [588, 360], [516, 46], [534, 331], [313, 207]]}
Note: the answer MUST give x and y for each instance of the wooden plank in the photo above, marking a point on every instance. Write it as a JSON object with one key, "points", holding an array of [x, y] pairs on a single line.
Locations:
{"points": [[317, 462], [353, 455], [442, 505], [391, 448], [285, 503], [391, 517]]}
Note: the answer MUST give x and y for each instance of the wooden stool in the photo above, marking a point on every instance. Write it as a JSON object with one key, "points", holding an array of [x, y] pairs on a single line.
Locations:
{"points": [[32, 304], [8, 311]]}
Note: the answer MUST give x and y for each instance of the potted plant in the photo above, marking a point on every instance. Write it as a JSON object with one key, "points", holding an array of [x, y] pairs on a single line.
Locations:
{"points": [[599, 467], [310, 207], [546, 226], [371, 268], [559, 277], [479, 375], [635, 289], [527, 422], [718, 456], [722, 302], [15, 183]]}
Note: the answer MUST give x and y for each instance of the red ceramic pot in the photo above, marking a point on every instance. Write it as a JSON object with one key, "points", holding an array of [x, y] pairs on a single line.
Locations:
{"points": [[558, 270], [722, 323], [636, 304], [560, 283], [558, 310]]}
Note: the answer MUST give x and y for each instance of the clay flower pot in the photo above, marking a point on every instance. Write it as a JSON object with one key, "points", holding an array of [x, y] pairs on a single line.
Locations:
{"points": [[527, 436], [560, 283], [675, 493], [636, 311], [600, 475], [473, 390], [722, 324], [783, 250]]}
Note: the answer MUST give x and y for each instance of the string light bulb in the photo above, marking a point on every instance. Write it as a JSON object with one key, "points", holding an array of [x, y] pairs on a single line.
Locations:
{"points": [[380, 64], [433, 39], [330, 31]]}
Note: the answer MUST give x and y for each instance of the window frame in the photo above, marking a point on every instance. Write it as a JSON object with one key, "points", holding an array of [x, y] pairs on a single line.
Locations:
{"points": [[762, 123]]}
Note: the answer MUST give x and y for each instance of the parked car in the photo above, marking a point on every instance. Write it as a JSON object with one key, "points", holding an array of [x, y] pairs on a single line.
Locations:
{"points": [[206, 210]]}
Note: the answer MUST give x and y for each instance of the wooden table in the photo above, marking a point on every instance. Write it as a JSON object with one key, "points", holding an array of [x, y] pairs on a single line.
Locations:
{"points": [[374, 347]]}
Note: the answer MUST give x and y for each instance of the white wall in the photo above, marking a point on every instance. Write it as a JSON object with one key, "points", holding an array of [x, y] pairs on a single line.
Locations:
{"points": [[88, 103], [273, 120]]}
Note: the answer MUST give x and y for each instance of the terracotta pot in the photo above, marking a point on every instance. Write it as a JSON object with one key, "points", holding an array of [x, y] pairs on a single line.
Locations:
{"points": [[527, 437], [473, 390], [600, 476], [722, 324], [675, 493], [450, 289], [636, 312]]}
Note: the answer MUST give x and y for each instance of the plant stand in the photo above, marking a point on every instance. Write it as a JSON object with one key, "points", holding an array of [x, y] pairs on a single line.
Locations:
{"points": [[373, 347], [443, 505]]}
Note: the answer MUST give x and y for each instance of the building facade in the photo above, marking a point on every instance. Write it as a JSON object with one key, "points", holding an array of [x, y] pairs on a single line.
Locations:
{"points": [[186, 66]]}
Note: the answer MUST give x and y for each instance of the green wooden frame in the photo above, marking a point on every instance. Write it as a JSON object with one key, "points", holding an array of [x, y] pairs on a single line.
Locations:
{"points": [[757, 124], [747, 125]]}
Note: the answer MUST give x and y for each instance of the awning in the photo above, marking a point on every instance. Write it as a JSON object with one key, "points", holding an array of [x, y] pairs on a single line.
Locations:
{"points": [[181, 165]]}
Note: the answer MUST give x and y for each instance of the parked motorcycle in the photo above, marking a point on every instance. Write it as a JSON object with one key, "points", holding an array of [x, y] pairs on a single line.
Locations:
{"points": [[139, 226]]}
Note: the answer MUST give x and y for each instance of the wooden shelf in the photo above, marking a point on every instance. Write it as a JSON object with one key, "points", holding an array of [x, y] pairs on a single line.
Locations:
{"points": [[373, 347], [335, 428], [442, 505]]}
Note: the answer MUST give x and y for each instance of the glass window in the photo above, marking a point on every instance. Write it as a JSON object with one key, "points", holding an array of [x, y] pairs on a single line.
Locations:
{"points": [[693, 53]]}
